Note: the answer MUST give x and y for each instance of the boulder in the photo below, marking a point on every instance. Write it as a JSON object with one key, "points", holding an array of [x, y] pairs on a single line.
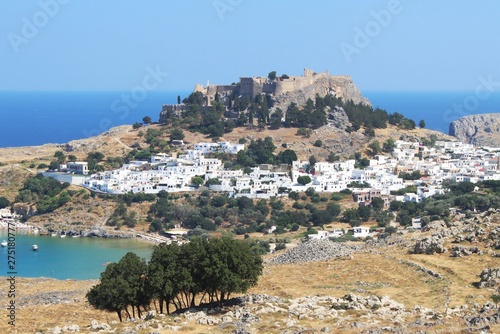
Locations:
{"points": [[490, 277], [459, 251], [94, 325], [429, 245]]}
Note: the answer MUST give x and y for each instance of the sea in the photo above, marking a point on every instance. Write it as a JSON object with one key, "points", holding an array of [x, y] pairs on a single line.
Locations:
{"points": [[36, 118], [66, 258], [437, 108]]}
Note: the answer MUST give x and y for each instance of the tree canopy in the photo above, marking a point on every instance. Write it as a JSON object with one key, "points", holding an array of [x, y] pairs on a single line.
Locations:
{"points": [[177, 275], [46, 192], [304, 179], [122, 285]]}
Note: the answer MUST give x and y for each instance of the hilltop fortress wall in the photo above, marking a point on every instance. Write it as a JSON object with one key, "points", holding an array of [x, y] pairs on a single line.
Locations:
{"points": [[285, 90], [252, 86]]}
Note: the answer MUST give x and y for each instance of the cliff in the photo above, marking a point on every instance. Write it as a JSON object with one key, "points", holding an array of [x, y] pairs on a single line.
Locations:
{"points": [[481, 130], [283, 91], [340, 86]]}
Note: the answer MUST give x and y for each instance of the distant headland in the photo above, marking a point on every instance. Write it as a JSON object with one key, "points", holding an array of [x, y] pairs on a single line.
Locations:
{"points": [[482, 129]]}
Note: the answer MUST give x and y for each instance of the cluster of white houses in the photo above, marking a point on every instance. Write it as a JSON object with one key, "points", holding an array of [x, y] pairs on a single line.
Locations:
{"points": [[446, 160], [11, 220]]}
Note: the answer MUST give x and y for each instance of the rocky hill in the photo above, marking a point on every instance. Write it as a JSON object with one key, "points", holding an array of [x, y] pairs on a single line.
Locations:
{"points": [[481, 130], [120, 140], [340, 86]]}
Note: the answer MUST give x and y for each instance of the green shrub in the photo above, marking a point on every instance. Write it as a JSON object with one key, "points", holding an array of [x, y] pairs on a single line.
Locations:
{"points": [[298, 205], [280, 246]]}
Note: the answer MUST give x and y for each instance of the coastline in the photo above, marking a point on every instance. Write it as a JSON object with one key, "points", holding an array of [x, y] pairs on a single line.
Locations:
{"points": [[100, 232], [4, 225], [66, 258]]}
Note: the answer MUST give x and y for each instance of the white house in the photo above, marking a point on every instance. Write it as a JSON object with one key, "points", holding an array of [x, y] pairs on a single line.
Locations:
{"points": [[361, 232], [227, 147], [77, 167], [319, 235], [336, 233], [5, 213], [416, 223]]}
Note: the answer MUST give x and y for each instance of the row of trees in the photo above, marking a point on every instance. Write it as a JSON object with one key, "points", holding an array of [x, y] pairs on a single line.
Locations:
{"points": [[179, 276]]}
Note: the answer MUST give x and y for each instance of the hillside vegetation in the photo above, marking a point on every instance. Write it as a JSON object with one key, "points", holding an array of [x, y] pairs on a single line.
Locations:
{"points": [[404, 281]]}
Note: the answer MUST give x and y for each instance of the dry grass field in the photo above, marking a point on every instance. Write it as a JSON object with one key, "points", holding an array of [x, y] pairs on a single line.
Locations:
{"points": [[379, 273], [364, 274], [12, 178]]}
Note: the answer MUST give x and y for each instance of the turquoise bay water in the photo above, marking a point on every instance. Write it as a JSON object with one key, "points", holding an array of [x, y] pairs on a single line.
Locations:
{"points": [[68, 258]]}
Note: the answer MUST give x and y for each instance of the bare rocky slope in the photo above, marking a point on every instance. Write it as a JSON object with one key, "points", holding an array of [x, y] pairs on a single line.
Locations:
{"points": [[480, 130], [340, 86]]}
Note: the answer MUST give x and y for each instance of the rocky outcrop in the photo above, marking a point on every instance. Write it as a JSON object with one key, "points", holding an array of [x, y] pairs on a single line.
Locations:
{"points": [[460, 251], [481, 130], [490, 277], [317, 250], [338, 117], [285, 93], [339, 86], [311, 314], [430, 245]]}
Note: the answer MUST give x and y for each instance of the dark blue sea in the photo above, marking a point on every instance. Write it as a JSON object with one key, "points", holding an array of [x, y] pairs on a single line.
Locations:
{"points": [[437, 109], [35, 118]]}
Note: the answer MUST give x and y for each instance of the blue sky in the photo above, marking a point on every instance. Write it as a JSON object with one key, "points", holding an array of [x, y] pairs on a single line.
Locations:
{"points": [[118, 44]]}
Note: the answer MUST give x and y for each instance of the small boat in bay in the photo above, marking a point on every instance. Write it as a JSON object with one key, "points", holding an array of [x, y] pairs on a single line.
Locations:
{"points": [[35, 247], [4, 243]]}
